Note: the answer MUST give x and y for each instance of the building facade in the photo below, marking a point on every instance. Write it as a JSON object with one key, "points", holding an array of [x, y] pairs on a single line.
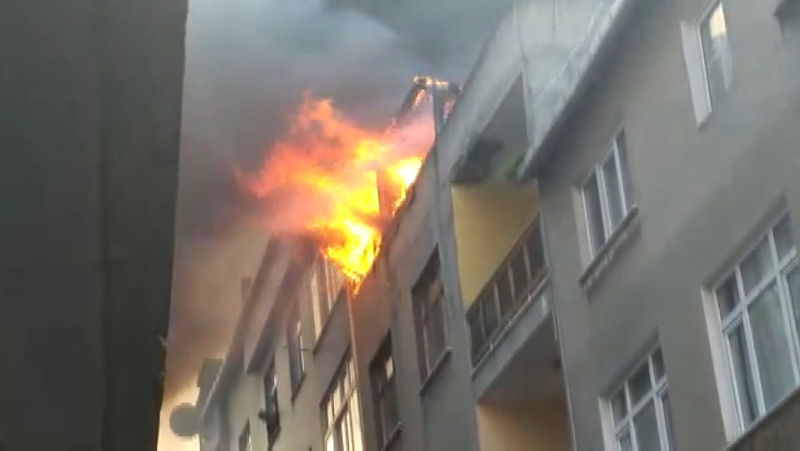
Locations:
{"points": [[599, 253], [92, 95]]}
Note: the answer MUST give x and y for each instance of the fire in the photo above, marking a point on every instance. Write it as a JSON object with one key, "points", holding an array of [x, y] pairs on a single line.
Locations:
{"points": [[325, 174]]}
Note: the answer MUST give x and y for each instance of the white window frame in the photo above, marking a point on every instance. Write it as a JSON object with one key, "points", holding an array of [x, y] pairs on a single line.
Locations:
{"points": [[341, 409], [297, 361], [333, 281], [246, 438], [696, 63], [706, 18], [658, 388], [741, 316], [426, 310], [599, 175]]}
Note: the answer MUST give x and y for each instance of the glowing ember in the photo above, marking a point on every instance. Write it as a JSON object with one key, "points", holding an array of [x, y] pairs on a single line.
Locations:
{"points": [[324, 175]]}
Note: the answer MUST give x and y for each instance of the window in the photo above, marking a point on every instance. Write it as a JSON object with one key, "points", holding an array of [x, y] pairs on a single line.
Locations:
{"points": [[245, 443], [707, 53], [607, 195], [640, 409], [716, 53], [788, 14], [340, 412], [326, 283], [759, 309], [383, 388], [271, 413], [509, 288], [428, 300], [294, 338]]}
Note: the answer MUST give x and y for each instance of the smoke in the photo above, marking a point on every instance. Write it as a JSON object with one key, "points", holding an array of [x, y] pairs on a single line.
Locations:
{"points": [[324, 166], [247, 63]]}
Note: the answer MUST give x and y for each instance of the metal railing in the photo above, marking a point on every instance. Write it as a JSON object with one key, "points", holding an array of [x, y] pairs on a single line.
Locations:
{"points": [[520, 274]]}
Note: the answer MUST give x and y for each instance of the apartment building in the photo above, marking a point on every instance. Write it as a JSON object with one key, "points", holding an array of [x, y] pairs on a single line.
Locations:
{"points": [[599, 253]]}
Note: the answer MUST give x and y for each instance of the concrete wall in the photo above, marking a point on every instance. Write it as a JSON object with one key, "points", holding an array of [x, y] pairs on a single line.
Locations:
{"points": [[300, 413], [701, 194], [488, 220], [534, 425], [91, 92], [429, 410]]}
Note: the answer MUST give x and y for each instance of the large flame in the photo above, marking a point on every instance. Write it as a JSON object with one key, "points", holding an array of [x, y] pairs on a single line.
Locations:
{"points": [[326, 171]]}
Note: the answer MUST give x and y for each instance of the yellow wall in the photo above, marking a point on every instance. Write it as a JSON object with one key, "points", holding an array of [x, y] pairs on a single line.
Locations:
{"points": [[488, 220], [541, 425]]}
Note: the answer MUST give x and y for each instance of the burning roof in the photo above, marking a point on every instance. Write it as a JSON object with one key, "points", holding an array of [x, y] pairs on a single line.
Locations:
{"points": [[340, 183]]}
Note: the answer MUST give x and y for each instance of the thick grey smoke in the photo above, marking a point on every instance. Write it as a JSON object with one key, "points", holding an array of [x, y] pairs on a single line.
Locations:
{"points": [[247, 63]]}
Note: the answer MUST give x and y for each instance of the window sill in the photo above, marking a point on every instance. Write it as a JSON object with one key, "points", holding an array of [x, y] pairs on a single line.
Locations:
{"points": [[758, 424], [601, 261], [393, 437], [297, 386], [435, 370]]}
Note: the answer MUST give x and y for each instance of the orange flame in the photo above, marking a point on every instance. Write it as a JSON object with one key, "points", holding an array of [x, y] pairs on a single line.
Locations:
{"points": [[325, 172]]}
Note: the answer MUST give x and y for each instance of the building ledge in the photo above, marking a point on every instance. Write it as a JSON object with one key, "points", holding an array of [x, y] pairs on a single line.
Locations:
{"points": [[775, 431], [435, 370], [607, 254], [518, 332], [394, 436]]}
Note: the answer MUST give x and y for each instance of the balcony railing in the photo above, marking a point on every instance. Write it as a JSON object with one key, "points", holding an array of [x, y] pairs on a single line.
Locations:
{"points": [[778, 431], [520, 274]]}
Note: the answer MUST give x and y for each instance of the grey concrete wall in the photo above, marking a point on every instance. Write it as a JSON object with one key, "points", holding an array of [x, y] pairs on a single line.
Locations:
{"points": [[700, 193], [437, 414], [300, 412], [91, 95]]}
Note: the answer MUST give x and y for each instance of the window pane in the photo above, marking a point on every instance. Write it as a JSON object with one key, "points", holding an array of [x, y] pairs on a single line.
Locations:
{"points": [[476, 333], [388, 368], [646, 427], [329, 443], [716, 52], [616, 209], [535, 250], [519, 272], [619, 407], [639, 384], [627, 184], [315, 301], [355, 431], [658, 364], [594, 215], [434, 331], [793, 282], [504, 298], [389, 410], [783, 237], [757, 265], [727, 296], [773, 354], [667, 410], [743, 377], [489, 311], [624, 442]]}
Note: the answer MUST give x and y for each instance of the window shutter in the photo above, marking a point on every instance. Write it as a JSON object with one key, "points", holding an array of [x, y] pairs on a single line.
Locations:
{"points": [[695, 69]]}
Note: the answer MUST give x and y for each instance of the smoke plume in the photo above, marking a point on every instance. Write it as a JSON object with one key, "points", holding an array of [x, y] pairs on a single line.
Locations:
{"points": [[247, 64]]}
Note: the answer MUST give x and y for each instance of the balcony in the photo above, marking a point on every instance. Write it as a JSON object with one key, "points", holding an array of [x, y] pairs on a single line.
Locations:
{"points": [[777, 431], [533, 68], [517, 282]]}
